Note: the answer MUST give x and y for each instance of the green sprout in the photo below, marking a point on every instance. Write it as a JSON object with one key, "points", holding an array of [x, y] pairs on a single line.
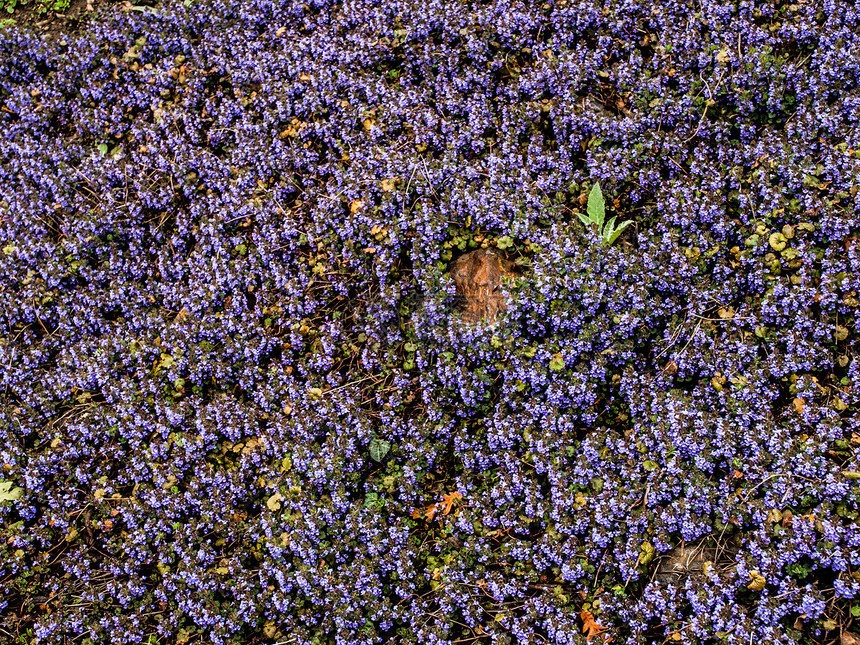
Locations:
{"points": [[596, 214]]}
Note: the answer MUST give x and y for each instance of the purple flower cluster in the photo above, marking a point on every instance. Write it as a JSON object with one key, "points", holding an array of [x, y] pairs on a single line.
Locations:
{"points": [[225, 232]]}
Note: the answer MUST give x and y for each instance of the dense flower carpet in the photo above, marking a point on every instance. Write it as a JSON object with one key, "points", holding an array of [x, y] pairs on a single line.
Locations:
{"points": [[241, 400]]}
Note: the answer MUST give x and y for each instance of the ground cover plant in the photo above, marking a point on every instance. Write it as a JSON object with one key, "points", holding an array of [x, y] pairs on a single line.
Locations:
{"points": [[240, 403]]}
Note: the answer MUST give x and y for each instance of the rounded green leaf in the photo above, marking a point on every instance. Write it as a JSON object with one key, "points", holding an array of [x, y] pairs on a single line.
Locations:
{"points": [[378, 449]]}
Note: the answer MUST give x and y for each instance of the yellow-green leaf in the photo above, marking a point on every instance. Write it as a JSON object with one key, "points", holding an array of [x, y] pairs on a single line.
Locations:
{"points": [[274, 502], [8, 493]]}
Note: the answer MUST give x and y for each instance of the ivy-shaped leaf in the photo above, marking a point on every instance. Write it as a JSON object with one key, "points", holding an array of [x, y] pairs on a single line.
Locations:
{"points": [[8, 493], [378, 448]]}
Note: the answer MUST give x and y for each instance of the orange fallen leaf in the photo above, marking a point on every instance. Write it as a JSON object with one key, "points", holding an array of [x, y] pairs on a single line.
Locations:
{"points": [[798, 404], [449, 500], [427, 512], [590, 627]]}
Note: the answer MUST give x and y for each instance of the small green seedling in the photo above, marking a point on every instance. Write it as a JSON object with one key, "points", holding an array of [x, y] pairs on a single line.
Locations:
{"points": [[596, 214]]}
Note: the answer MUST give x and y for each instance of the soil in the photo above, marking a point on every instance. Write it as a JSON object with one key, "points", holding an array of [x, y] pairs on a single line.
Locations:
{"points": [[52, 25]]}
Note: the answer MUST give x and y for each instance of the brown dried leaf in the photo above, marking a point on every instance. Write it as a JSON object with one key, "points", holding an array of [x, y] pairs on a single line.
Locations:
{"points": [[590, 627], [449, 500]]}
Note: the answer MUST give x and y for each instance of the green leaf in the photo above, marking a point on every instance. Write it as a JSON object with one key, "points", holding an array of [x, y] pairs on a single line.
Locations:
{"points": [[378, 449], [607, 230], [596, 206], [585, 220], [614, 234], [650, 465], [556, 363], [103, 148], [9, 494]]}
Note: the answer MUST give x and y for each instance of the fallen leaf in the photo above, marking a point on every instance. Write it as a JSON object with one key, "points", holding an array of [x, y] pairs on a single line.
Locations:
{"points": [[647, 553], [270, 630], [274, 502], [849, 638], [799, 404], [8, 493], [449, 500], [758, 581], [589, 626]]}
